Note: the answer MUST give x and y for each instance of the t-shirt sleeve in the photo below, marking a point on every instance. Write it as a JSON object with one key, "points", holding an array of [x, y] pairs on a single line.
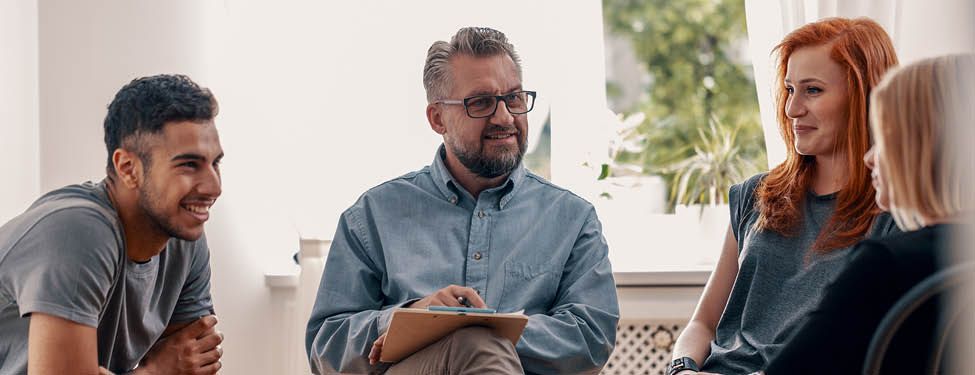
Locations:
{"points": [[194, 299], [65, 265], [741, 200]]}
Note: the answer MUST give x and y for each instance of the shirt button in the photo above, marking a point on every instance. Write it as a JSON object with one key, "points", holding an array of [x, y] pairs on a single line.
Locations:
{"points": [[477, 256], [453, 200], [480, 213]]}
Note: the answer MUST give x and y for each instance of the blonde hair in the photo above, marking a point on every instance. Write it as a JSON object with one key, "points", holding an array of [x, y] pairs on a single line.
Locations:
{"points": [[922, 116]]}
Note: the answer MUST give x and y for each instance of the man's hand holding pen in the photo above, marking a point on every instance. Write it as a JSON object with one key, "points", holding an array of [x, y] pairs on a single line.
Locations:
{"points": [[453, 296]]}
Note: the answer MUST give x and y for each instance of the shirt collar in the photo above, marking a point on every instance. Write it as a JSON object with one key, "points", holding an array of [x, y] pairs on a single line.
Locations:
{"points": [[449, 187]]}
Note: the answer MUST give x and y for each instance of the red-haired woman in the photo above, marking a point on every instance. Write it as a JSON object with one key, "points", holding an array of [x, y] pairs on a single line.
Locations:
{"points": [[922, 118], [792, 228]]}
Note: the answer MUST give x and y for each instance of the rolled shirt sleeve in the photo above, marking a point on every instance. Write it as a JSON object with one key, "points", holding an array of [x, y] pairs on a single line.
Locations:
{"points": [[348, 315], [578, 334]]}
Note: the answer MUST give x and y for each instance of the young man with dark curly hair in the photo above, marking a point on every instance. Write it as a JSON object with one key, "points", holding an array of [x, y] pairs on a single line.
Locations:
{"points": [[114, 276]]}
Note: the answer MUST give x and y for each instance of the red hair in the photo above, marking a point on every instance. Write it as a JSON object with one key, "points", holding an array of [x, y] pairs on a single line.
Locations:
{"points": [[865, 52]]}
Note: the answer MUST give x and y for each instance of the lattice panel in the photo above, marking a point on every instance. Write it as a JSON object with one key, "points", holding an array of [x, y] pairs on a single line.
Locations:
{"points": [[643, 347]]}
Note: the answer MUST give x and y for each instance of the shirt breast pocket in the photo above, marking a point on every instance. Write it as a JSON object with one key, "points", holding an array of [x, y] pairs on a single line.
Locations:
{"points": [[531, 287]]}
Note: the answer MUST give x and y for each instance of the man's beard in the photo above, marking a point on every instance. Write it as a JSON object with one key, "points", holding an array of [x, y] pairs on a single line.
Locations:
{"points": [[149, 203], [484, 166]]}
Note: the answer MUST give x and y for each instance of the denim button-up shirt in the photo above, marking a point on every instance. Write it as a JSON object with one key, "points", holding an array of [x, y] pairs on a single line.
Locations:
{"points": [[525, 245]]}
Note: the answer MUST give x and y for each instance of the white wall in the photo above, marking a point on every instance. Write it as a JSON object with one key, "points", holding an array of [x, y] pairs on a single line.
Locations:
{"points": [[331, 92], [89, 50], [19, 169]]}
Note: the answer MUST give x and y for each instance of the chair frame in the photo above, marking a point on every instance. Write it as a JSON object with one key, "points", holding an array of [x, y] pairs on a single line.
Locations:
{"points": [[945, 280]]}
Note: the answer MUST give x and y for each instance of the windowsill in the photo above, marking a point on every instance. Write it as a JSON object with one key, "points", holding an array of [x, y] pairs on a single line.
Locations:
{"points": [[695, 277], [284, 280]]}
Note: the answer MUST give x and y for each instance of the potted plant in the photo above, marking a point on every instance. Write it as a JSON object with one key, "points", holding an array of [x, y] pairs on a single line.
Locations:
{"points": [[702, 180], [627, 185], [717, 163]]}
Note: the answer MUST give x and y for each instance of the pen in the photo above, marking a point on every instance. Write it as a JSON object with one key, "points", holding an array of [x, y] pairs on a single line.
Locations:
{"points": [[463, 301]]}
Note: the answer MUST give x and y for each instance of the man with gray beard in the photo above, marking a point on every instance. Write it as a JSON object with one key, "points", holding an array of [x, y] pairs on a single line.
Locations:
{"points": [[474, 225]]}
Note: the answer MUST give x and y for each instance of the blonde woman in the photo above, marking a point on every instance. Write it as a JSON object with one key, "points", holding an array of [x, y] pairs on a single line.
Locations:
{"points": [[923, 123]]}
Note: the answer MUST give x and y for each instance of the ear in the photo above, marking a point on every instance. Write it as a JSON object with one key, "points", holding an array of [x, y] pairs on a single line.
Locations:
{"points": [[435, 118], [128, 167]]}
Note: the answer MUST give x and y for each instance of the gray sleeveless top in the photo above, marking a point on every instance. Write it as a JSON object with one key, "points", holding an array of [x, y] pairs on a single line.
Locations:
{"points": [[778, 280]]}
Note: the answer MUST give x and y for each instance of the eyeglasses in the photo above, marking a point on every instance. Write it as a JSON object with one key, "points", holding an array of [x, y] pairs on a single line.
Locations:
{"points": [[481, 106]]}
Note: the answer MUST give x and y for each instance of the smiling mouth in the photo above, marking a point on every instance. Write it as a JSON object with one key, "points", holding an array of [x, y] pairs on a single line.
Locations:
{"points": [[499, 136], [200, 210], [197, 209]]}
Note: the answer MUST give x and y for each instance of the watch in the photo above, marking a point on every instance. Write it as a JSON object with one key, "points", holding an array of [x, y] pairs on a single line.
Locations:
{"points": [[681, 364]]}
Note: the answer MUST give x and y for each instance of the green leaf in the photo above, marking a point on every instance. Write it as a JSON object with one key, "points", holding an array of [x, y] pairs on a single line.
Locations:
{"points": [[604, 172]]}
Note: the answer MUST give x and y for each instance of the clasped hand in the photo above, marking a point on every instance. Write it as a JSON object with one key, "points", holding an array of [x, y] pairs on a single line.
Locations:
{"points": [[191, 350]]}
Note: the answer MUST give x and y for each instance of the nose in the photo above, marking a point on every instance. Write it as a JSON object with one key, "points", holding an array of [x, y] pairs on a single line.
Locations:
{"points": [[501, 115], [210, 183], [794, 107], [868, 158]]}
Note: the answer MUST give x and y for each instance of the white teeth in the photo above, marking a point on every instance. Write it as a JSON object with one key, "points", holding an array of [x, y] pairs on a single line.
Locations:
{"points": [[197, 209], [498, 136]]}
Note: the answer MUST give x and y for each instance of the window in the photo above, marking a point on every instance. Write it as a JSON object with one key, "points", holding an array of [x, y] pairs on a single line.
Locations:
{"points": [[679, 78]]}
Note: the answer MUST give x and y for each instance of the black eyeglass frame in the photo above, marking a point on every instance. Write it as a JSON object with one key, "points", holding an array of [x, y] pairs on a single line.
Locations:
{"points": [[497, 99]]}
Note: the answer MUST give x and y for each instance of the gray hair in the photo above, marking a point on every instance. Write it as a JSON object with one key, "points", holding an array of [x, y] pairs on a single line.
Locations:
{"points": [[471, 41]]}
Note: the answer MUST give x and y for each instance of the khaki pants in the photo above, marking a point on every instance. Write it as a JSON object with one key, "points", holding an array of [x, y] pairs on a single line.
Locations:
{"points": [[470, 350]]}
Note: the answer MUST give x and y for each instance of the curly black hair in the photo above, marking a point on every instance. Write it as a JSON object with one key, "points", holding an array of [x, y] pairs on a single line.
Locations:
{"points": [[146, 104]]}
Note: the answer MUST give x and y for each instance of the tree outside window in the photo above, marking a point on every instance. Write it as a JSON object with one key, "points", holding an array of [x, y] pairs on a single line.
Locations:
{"points": [[691, 92]]}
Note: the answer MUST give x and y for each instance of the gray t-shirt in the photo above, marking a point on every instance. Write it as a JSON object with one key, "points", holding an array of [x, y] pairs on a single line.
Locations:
{"points": [[65, 256], [779, 281]]}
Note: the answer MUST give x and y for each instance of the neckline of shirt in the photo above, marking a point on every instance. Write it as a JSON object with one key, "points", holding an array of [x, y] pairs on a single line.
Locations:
{"points": [[446, 183]]}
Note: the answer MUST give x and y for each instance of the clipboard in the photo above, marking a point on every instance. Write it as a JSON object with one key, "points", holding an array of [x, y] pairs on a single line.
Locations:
{"points": [[413, 329]]}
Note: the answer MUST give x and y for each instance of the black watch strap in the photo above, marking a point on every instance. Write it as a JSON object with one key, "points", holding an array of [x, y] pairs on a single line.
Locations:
{"points": [[681, 364]]}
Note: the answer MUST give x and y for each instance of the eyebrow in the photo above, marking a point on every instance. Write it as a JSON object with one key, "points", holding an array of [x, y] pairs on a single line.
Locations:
{"points": [[491, 93], [806, 80], [192, 156]]}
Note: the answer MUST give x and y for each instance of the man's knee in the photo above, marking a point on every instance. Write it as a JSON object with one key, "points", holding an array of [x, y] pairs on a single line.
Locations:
{"points": [[478, 350]]}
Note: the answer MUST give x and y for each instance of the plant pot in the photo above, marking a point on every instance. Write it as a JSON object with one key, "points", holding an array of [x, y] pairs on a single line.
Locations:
{"points": [[710, 223], [638, 195]]}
